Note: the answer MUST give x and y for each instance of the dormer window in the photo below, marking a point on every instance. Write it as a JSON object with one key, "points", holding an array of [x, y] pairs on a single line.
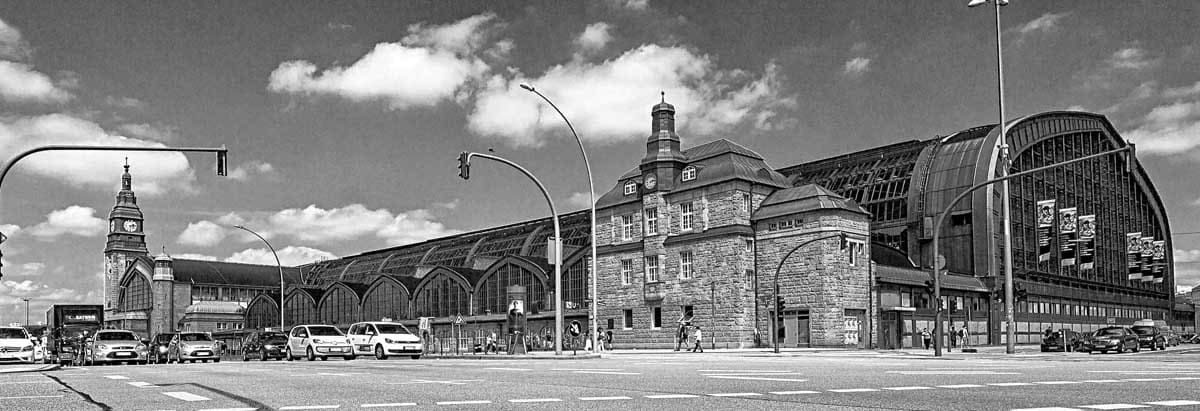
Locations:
{"points": [[689, 173], [630, 187]]}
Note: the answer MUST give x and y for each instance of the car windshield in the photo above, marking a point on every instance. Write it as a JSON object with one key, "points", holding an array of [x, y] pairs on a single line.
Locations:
{"points": [[392, 329], [1109, 331], [276, 339], [13, 333], [326, 331], [1143, 330], [164, 338], [195, 337], [116, 336]]}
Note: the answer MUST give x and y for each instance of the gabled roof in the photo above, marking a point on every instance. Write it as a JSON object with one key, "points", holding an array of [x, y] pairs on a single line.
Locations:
{"points": [[716, 148], [807, 197], [217, 272]]}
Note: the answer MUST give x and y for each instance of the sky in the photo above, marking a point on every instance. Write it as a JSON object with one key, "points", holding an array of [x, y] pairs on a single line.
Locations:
{"points": [[344, 119]]}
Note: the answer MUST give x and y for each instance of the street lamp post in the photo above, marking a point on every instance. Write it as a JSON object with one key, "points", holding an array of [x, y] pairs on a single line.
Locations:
{"points": [[277, 264], [592, 201], [775, 294], [464, 171], [1005, 163], [221, 165], [26, 300]]}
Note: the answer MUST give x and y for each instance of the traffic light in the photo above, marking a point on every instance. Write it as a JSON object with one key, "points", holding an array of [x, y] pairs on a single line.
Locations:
{"points": [[929, 286], [464, 165], [953, 304], [222, 163], [779, 306]]}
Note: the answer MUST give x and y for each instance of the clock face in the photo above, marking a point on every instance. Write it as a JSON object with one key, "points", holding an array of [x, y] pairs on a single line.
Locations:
{"points": [[650, 181], [131, 226]]}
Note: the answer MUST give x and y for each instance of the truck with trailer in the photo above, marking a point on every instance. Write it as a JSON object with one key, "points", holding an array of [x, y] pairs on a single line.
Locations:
{"points": [[67, 326]]}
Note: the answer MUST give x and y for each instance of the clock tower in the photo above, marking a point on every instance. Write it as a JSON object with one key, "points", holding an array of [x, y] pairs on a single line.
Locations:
{"points": [[664, 159], [126, 239]]}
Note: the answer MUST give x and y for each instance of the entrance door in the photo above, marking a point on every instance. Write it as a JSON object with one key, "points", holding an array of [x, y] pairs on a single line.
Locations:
{"points": [[891, 330], [795, 328]]}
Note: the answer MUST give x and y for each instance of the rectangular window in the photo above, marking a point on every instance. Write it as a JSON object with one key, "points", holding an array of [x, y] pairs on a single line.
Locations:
{"points": [[772, 227], [746, 202], [656, 317], [686, 268], [626, 271], [906, 299], [785, 224], [685, 216], [626, 227], [688, 312], [652, 269], [749, 278], [750, 245], [651, 221]]}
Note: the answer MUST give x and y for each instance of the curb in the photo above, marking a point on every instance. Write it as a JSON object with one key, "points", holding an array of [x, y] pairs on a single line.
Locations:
{"points": [[513, 357], [47, 367]]}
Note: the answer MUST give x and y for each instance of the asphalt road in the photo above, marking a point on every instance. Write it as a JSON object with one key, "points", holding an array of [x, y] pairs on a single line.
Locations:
{"points": [[742, 380]]}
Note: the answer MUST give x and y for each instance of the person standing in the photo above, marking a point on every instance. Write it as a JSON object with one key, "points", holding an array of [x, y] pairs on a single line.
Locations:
{"points": [[953, 337], [491, 344], [926, 338], [962, 335], [699, 338]]}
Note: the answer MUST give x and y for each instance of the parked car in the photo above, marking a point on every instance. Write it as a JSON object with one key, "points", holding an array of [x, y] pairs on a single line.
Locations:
{"points": [[160, 345], [16, 344], [1065, 340], [193, 346], [318, 341], [264, 345], [384, 339], [1117, 339], [115, 346], [1150, 337]]}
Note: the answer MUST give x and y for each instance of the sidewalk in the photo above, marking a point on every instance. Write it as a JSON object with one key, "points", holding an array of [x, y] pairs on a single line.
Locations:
{"points": [[15, 368]]}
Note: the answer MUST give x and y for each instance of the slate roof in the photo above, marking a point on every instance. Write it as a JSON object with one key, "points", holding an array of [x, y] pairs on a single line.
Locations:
{"points": [[804, 198], [217, 272], [215, 307]]}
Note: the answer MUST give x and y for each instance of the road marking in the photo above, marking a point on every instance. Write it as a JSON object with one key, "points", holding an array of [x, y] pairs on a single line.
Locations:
{"points": [[960, 386], [186, 396], [537, 400], [664, 396], [450, 382], [310, 407], [463, 402], [116, 377], [1047, 409], [608, 372], [794, 392], [508, 369], [1101, 381], [394, 404], [1010, 384], [229, 409], [735, 394], [1056, 382], [736, 377], [30, 396], [747, 371], [947, 372], [907, 388], [854, 390], [142, 384], [1185, 378], [604, 398], [1175, 403], [1147, 372], [27, 382], [1114, 406], [585, 369]]}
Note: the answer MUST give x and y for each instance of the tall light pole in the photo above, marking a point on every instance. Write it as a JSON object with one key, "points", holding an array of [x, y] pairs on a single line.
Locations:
{"points": [[464, 171], [26, 300], [1005, 163], [592, 201], [277, 264]]}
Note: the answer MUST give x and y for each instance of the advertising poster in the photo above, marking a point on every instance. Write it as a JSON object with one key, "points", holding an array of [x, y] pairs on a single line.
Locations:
{"points": [[1133, 255], [1045, 227], [1087, 242], [1067, 236], [1147, 259], [1160, 260]]}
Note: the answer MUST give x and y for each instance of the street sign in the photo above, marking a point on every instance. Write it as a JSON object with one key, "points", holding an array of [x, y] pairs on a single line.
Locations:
{"points": [[458, 320], [941, 262], [575, 329], [423, 323]]}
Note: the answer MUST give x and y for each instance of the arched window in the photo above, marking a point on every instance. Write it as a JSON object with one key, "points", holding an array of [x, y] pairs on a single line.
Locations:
{"points": [[493, 294], [339, 306], [575, 284], [135, 294], [262, 313], [630, 187], [387, 300], [442, 297], [300, 310]]}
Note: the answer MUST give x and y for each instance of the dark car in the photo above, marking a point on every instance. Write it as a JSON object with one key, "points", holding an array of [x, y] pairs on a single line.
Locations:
{"points": [[1064, 340], [1150, 337], [264, 345], [159, 345], [1107, 339]]}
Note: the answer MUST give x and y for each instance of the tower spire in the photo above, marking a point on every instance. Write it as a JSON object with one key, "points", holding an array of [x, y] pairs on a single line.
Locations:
{"points": [[126, 179]]}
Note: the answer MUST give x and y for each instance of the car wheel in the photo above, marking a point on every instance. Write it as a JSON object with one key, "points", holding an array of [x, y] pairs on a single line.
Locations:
{"points": [[262, 356], [416, 357], [287, 352], [379, 353], [310, 355], [245, 356], [348, 357], [216, 360]]}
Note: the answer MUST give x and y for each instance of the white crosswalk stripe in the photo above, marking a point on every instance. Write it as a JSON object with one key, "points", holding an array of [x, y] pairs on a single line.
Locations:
{"points": [[1114, 406], [1175, 403], [186, 396]]}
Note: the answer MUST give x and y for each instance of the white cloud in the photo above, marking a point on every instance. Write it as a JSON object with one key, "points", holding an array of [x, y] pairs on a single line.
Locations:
{"points": [[1045, 23], [202, 234], [1169, 129], [314, 224], [594, 37], [41, 295], [12, 47], [631, 4], [1131, 58], [10, 230], [449, 205], [74, 220], [153, 173], [193, 256], [20, 83], [289, 256], [1182, 91], [156, 132], [617, 96], [856, 66], [431, 65], [244, 171], [124, 102], [413, 227], [29, 269], [582, 200]]}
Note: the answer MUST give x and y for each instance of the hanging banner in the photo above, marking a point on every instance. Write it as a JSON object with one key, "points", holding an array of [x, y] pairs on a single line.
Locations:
{"points": [[1067, 236], [1045, 221], [1159, 256], [1133, 255], [1087, 242], [1147, 259]]}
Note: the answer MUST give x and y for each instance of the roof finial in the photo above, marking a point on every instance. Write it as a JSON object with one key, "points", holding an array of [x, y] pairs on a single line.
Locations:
{"points": [[126, 164], [664, 96]]}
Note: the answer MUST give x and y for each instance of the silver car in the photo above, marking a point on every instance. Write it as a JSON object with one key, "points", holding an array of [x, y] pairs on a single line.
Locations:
{"points": [[114, 346], [193, 346]]}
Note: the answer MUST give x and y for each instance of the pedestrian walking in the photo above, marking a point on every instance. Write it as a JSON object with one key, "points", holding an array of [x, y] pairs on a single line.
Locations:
{"points": [[699, 337], [491, 344], [953, 337], [962, 335], [599, 339], [608, 339], [928, 339]]}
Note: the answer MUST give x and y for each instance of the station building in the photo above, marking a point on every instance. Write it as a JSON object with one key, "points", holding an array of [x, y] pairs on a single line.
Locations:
{"points": [[699, 235]]}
